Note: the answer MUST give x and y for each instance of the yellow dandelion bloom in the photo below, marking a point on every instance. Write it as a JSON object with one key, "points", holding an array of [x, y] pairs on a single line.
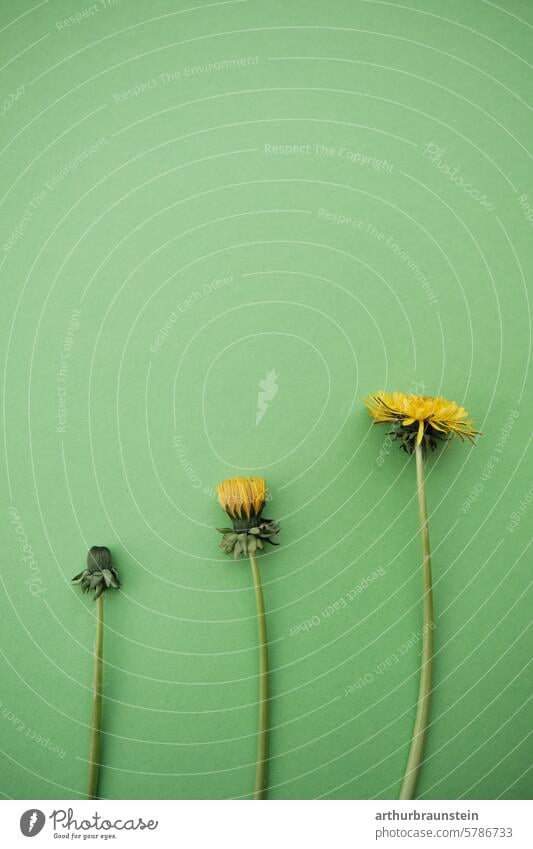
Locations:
{"points": [[241, 497], [420, 413], [419, 422]]}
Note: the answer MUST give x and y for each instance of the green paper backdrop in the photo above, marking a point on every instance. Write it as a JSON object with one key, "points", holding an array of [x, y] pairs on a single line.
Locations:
{"points": [[223, 225]]}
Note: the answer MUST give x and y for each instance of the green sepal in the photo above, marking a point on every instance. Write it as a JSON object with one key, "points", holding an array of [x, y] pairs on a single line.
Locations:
{"points": [[247, 541]]}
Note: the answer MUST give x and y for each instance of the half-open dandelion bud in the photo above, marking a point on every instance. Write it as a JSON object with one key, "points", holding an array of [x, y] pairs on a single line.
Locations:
{"points": [[100, 574], [420, 420], [243, 499]]}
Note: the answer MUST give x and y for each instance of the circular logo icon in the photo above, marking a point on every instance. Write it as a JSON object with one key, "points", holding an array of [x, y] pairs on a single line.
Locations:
{"points": [[32, 822]]}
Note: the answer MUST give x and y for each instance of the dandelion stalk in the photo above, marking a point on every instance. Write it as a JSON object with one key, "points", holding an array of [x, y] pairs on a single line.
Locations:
{"points": [[421, 423], [95, 747], [243, 499], [262, 734], [99, 576], [416, 751]]}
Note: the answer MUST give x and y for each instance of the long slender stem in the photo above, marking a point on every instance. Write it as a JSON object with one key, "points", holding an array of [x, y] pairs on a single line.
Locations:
{"points": [[416, 751], [262, 735], [96, 719]]}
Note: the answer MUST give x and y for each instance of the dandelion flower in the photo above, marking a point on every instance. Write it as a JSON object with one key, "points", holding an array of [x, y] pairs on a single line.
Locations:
{"points": [[419, 422], [243, 499]]}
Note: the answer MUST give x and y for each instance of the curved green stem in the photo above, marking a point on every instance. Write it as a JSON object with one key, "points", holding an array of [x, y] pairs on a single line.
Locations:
{"points": [[262, 735], [416, 751], [96, 718]]}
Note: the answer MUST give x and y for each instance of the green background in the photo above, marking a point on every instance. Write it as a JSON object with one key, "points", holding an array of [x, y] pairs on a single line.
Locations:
{"points": [[164, 246]]}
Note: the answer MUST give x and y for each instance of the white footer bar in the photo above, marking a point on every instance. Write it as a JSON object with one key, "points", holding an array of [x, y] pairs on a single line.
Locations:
{"points": [[267, 825]]}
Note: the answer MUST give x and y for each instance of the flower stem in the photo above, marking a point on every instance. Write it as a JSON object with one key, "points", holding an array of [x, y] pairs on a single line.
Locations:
{"points": [[262, 736], [416, 751], [96, 719]]}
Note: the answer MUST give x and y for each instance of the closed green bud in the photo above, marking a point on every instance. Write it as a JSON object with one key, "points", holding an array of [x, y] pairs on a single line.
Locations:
{"points": [[100, 574]]}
